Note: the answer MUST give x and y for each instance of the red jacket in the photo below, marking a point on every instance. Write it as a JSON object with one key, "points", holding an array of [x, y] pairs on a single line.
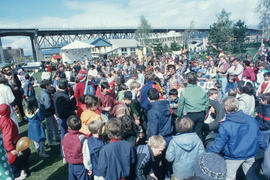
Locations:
{"points": [[9, 132], [79, 90]]}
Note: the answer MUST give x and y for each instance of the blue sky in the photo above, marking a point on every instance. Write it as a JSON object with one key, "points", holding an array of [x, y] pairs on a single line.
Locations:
{"points": [[116, 13]]}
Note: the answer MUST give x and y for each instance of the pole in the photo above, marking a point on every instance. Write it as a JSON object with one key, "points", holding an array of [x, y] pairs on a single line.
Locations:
{"points": [[2, 52]]}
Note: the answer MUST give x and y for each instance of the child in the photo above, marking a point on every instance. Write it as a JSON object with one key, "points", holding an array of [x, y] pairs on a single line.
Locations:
{"points": [[122, 108], [129, 129], [89, 114], [184, 148], [116, 158], [218, 87], [93, 145], [106, 100], [146, 156], [28, 88], [231, 84], [173, 100], [35, 130], [72, 147], [10, 136], [265, 85]]}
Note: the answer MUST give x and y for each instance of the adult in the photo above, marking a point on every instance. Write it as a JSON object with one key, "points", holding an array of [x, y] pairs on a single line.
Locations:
{"points": [[222, 68], [80, 86], [195, 101], [245, 97], [237, 138], [236, 69]]}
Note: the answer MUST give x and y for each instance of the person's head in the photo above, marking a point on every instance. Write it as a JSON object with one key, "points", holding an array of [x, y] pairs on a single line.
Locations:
{"points": [[173, 93], [246, 63], [230, 104], [51, 90], [153, 94], [95, 127], [157, 144], [126, 122], [266, 76], [191, 78], [184, 124], [62, 84], [218, 86], [212, 94], [232, 92], [45, 84], [3, 79], [157, 69], [127, 97], [171, 69], [135, 86], [236, 61], [149, 76], [91, 102], [104, 86], [265, 98], [262, 65], [27, 76], [114, 128], [74, 123], [210, 166], [32, 105], [245, 87]]}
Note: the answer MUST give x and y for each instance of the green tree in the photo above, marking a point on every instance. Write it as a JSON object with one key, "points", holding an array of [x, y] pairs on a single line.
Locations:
{"points": [[143, 31], [263, 9], [239, 34], [157, 46], [221, 34], [175, 46], [166, 48]]}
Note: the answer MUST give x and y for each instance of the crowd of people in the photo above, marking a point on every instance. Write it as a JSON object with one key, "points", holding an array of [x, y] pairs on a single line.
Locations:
{"points": [[153, 118]]}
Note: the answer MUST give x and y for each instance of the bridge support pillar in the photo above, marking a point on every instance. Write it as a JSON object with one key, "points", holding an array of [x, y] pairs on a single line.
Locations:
{"points": [[34, 42], [2, 52]]}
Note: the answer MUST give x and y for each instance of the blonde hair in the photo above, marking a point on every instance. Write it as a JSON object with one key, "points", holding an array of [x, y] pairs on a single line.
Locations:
{"points": [[95, 126], [184, 125], [157, 142], [231, 104]]}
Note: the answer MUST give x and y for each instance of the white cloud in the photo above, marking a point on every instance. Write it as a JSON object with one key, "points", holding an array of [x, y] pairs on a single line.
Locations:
{"points": [[165, 13], [18, 42]]}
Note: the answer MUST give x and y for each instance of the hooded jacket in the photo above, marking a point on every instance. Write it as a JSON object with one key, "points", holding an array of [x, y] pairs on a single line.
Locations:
{"points": [[183, 149], [9, 132], [159, 119], [237, 137], [35, 129]]}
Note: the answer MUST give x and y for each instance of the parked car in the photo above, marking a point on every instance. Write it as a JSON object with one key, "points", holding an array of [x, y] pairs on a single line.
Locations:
{"points": [[31, 66]]}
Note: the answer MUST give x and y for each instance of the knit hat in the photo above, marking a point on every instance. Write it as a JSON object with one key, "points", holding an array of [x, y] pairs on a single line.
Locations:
{"points": [[82, 75], [210, 166]]}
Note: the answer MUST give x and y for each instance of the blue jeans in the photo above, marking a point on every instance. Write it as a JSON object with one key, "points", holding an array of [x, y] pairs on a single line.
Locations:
{"points": [[52, 129], [223, 81], [77, 172], [264, 137], [63, 127]]}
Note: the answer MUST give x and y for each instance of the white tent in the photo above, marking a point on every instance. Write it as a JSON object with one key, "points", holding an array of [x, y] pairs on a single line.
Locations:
{"points": [[75, 51]]}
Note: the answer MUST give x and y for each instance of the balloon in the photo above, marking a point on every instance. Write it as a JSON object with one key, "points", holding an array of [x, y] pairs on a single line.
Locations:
{"points": [[22, 144]]}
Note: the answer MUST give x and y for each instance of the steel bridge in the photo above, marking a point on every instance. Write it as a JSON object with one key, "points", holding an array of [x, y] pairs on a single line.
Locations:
{"points": [[49, 38]]}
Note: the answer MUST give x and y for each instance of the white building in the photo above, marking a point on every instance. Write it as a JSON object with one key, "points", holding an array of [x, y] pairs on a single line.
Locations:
{"points": [[124, 47]]}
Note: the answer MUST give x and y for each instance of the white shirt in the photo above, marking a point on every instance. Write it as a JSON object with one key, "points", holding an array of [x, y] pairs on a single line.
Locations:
{"points": [[7, 97]]}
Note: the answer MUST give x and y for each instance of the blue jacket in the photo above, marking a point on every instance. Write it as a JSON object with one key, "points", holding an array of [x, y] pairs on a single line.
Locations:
{"points": [[237, 137], [183, 149], [143, 95], [116, 160], [263, 116], [159, 119], [145, 162], [94, 145], [46, 103], [28, 89], [35, 129]]}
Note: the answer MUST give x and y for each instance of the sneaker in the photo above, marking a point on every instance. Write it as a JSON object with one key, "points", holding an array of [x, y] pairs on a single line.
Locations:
{"points": [[22, 176], [43, 155], [54, 143], [64, 161]]}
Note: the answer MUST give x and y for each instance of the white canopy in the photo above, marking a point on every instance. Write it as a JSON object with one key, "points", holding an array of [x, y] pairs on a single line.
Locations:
{"points": [[77, 45], [75, 51]]}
